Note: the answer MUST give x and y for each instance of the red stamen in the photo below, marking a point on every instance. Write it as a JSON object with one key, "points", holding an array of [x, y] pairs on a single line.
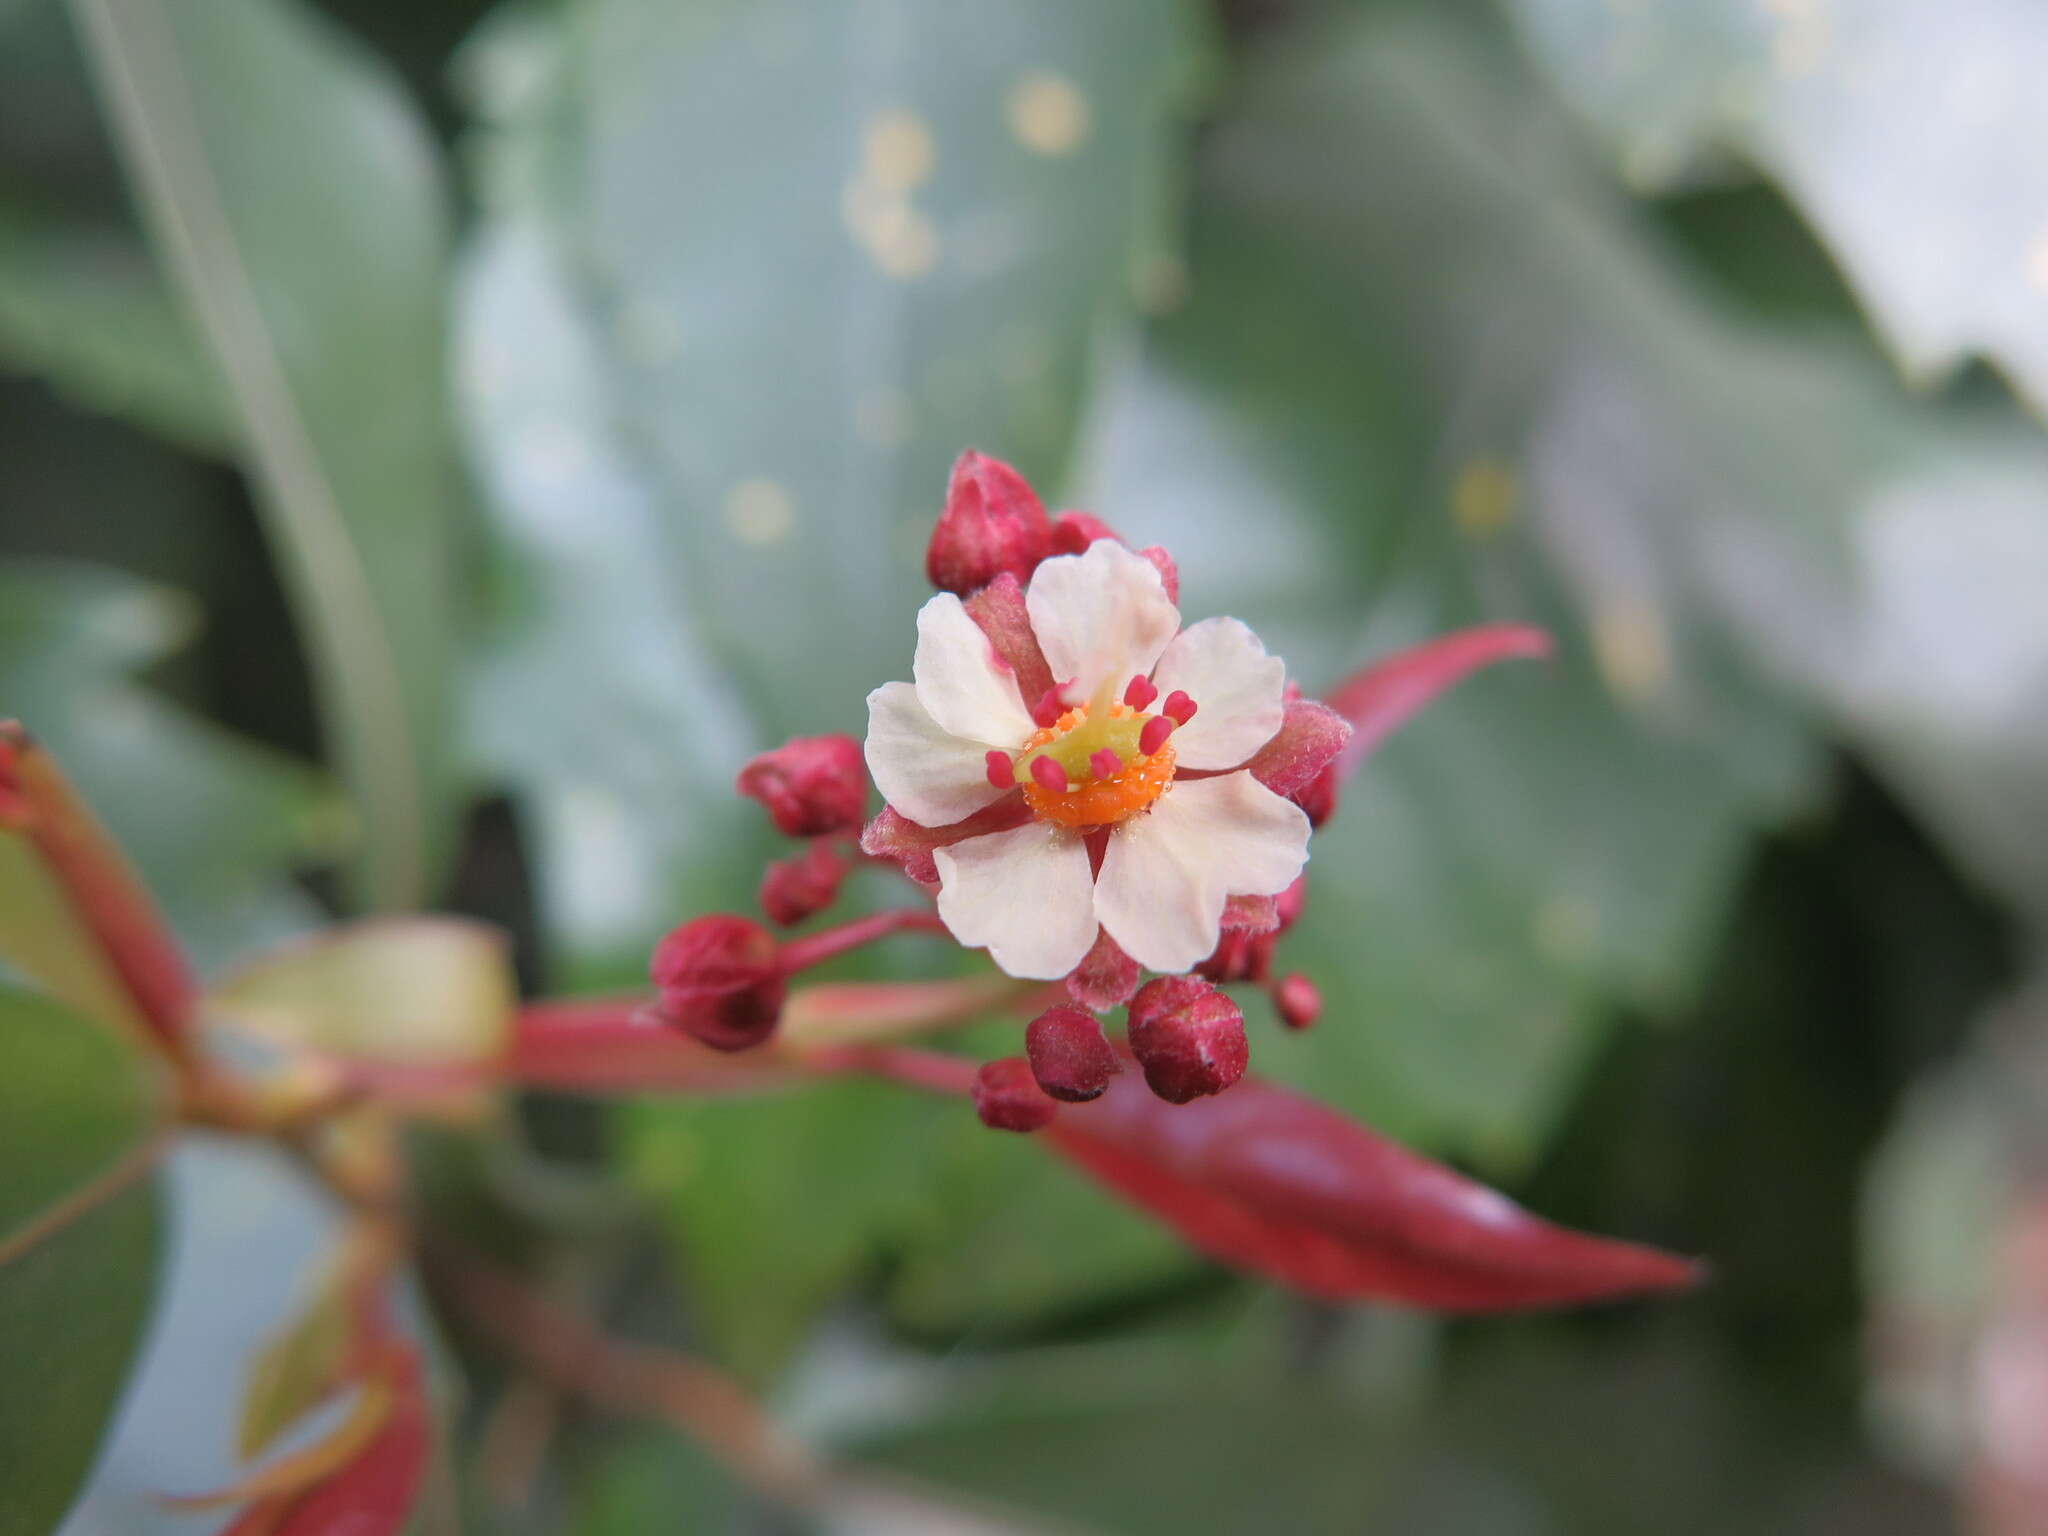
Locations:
{"points": [[1180, 706], [1139, 692], [1105, 763], [1002, 773], [1047, 711], [1049, 774], [1153, 736]]}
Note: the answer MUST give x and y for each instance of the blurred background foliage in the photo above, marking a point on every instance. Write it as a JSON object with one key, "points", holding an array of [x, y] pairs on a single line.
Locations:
{"points": [[442, 442]]}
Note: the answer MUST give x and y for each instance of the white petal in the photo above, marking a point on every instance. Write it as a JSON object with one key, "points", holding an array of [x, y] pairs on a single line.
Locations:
{"points": [[1237, 689], [961, 683], [929, 775], [1168, 872], [1100, 616], [1023, 895]]}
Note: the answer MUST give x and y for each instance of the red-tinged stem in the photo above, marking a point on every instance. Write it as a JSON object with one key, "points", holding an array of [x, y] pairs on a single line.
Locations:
{"points": [[817, 948], [577, 1357], [101, 887], [950, 1075]]}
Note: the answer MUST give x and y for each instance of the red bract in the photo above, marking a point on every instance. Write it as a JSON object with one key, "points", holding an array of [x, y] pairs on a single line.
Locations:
{"points": [[1265, 1180], [374, 1494], [1379, 699], [1106, 976], [813, 786], [1310, 738], [720, 980], [900, 840], [993, 522]]}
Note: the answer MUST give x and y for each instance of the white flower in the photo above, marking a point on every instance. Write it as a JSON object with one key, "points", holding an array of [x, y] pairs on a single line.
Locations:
{"points": [[1161, 701]]}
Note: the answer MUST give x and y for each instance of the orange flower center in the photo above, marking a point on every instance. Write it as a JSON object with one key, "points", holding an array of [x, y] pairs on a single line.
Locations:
{"points": [[1094, 799]]}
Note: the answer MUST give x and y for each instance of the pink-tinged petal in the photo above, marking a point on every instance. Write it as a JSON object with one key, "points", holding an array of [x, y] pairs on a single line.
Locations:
{"points": [[1022, 895], [1310, 738], [1169, 873], [961, 682], [999, 609], [927, 773], [1268, 1181], [896, 837], [1237, 688], [1100, 616], [1379, 699]]}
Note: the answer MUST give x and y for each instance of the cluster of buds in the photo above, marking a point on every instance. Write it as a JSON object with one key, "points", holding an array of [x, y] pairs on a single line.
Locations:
{"points": [[1076, 783]]}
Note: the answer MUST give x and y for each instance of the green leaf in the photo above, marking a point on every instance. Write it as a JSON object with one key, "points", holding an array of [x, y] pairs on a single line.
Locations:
{"points": [[82, 307], [1941, 231], [404, 989], [211, 821], [75, 1100], [299, 1368], [295, 197]]}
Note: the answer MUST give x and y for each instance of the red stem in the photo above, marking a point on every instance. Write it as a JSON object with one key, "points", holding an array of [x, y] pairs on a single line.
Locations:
{"points": [[817, 948], [101, 887], [929, 1070]]}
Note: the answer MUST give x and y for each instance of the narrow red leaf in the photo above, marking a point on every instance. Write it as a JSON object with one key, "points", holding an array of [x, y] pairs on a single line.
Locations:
{"points": [[375, 1492], [1380, 698], [1265, 1180]]}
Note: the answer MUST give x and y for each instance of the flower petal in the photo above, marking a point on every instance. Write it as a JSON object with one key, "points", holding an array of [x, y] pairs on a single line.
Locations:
{"points": [[1238, 691], [1101, 616], [962, 683], [1023, 895], [924, 771], [1168, 873]]}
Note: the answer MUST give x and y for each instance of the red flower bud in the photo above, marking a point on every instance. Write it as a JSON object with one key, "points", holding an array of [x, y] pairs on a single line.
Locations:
{"points": [[1297, 1001], [718, 980], [813, 786], [1073, 532], [1007, 1099], [1169, 573], [1288, 905], [1240, 955], [1188, 1037], [1068, 1055], [993, 522], [794, 889], [1319, 799]]}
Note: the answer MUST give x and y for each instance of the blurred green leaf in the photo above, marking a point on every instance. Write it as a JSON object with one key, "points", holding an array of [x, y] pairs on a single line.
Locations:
{"points": [[295, 198], [212, 821], [83, 308], [299, 1368], [402, 989], [75, 1099], [1908, 133]]}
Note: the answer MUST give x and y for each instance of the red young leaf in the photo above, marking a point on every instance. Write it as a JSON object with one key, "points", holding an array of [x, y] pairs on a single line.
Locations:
{"points": [[1380, 698], [375, 1491], [1265, 1180]]}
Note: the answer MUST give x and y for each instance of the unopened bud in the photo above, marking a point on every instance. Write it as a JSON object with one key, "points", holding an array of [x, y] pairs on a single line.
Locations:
{"points": [[794, 889], [1297, 1001], [1288, 905], [1068, 1055], [718, 979], [1007, 1099], [1073, 532], [1240, 955], [813, 786], [993, 522], [1188, 1037]]}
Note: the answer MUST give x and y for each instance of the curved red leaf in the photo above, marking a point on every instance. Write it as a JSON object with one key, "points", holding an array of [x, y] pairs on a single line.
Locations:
{"points": [[1268, 1181], [375, 1492], [1379, 699]]}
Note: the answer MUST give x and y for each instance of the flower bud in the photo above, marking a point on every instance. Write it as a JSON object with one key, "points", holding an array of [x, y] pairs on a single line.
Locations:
{"points": [[1318, 799], [1073, 532], [993, 522], [1007, 1099], [1068, 1055], [1188, 1037], [1240, 955], [719, 981], [1288, 905], [812, 786], [794, 889], [1297, 1001]]}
